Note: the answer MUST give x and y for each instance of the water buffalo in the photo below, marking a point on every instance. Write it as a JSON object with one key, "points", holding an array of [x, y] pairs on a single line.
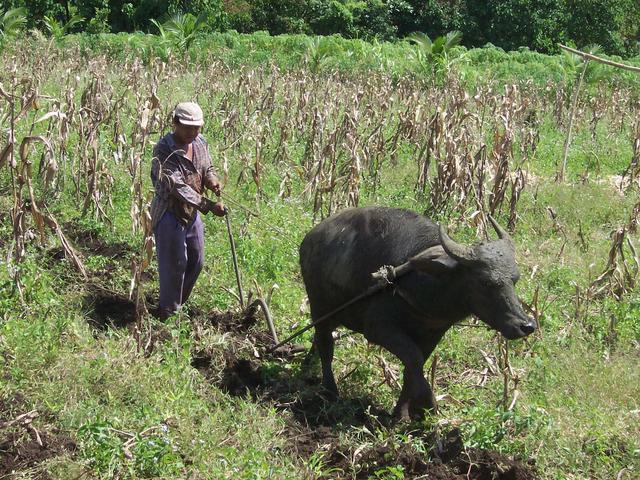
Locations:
{"points": [[447, 282]]}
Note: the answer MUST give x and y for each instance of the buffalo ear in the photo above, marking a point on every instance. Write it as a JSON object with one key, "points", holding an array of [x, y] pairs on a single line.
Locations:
{"points": [[433, 260]]}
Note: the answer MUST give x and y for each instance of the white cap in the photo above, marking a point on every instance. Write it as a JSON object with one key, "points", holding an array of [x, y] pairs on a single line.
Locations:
{"points": [[189, 113]]}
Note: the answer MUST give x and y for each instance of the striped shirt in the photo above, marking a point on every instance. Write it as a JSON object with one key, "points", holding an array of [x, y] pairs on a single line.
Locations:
{"points": [[179, 182]]}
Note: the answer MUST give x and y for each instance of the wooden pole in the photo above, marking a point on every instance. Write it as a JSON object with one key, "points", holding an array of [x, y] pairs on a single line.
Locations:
{"points": [[235, 261], [589, 56], [574, 105]]}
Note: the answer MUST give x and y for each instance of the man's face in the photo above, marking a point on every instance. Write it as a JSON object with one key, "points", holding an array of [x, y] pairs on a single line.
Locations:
{"points": [[185, 134]]}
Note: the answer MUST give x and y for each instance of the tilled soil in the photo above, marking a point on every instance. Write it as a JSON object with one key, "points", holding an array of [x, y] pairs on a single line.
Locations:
{"points": [[315, 422], [24, 447]]}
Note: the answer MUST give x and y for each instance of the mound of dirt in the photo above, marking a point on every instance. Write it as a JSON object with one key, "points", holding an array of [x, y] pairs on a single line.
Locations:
{"points": [[234, 322], [19, 452], [22, 446]]}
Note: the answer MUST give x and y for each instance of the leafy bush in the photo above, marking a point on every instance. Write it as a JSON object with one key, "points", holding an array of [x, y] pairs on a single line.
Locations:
{"points": [[330, 17], [510, 24]]}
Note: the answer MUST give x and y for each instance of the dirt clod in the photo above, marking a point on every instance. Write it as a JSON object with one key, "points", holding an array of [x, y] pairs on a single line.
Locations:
{"points": [[22, 446], [21, 452]]}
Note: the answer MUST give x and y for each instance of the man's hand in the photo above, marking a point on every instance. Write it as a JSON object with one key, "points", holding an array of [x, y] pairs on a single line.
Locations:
{"points": [[219, 209], [216, 187], [206, 205]]}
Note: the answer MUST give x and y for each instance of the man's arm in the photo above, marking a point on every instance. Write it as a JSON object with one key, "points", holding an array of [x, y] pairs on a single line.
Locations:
{"points": [[167, 176], [211, 180]]}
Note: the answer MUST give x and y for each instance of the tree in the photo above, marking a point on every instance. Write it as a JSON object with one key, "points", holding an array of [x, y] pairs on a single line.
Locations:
{"points": [[601, 22], [366, 19], [97, 14], [132, 15], [510, 24], [329, 17], [372, 20], [212, 10], [437, 17], [285, 16]]}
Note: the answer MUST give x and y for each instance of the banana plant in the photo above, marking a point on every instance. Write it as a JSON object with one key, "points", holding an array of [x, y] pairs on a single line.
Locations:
{"points": [[59, 29], [182, 29], [12, 22], [433, 57]]}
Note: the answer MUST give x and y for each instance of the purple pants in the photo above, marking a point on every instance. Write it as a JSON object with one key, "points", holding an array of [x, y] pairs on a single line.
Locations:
{"points": [[180, 252]]}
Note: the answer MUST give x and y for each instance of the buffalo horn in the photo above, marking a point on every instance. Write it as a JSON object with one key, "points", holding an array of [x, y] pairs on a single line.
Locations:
{"points": [[461, 253], [502, 233]]}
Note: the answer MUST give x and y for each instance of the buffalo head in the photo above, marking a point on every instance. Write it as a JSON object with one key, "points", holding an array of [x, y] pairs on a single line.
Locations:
{"points": [[486, 275]]}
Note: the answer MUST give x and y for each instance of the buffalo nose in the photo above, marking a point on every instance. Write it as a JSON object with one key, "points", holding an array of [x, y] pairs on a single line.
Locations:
{"points": [[529, 327]]}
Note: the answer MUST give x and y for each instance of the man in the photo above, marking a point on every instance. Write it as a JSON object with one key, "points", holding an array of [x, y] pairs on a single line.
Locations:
{"points": [[180, 170]]}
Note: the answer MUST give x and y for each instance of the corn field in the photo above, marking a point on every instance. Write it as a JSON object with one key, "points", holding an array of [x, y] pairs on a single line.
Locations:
{"points": [[75, 129]]}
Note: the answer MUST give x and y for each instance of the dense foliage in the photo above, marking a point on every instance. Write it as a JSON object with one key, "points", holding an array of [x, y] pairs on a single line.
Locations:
{"points": [[509, 24]]}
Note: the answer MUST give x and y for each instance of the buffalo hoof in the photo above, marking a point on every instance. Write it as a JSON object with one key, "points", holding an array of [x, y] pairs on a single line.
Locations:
{"points": [[401, 413], [415, 409], [330, 393], [165, 313]]}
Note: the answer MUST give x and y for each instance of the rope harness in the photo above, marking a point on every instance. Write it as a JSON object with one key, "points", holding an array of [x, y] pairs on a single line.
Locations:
{"points": [[388, 274], [384, 277]]}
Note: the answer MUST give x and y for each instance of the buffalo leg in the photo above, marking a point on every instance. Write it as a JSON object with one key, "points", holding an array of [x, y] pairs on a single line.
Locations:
{"points": [[416, 393], [323, 341], [428, 345]]}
